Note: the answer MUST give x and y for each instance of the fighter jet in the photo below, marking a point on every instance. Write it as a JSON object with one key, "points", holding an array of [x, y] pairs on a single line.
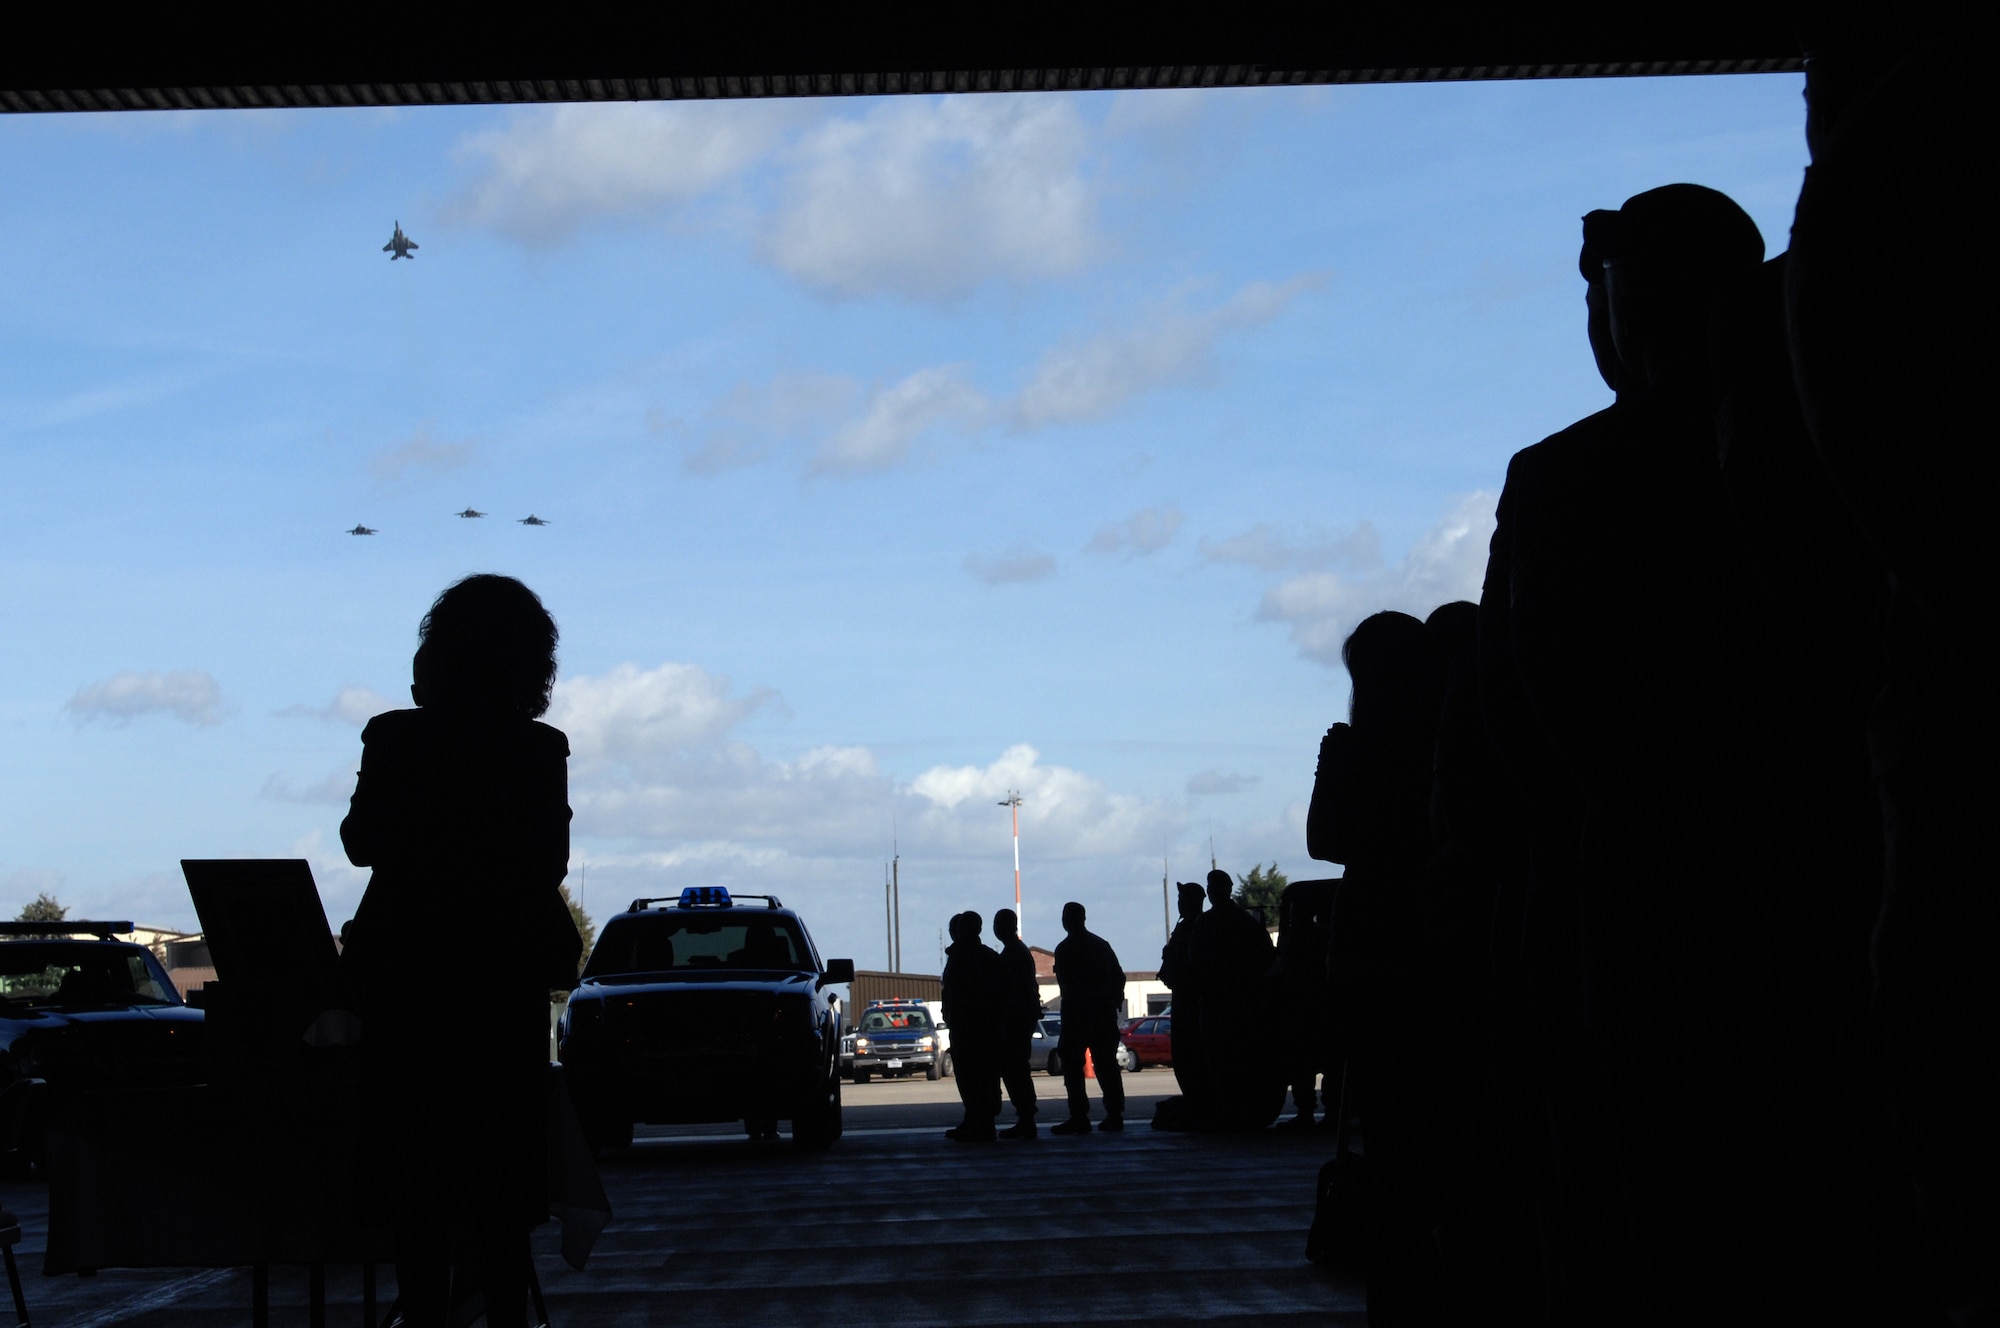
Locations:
{"points": [[470, 515], [399, 245], [361, 530], [532, 520]]}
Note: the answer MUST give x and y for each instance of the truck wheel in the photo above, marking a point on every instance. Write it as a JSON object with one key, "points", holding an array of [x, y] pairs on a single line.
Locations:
{"points": [[821, 1126], [863, 1076], [1055, 1066], [933, 1071], [947, 1071]]}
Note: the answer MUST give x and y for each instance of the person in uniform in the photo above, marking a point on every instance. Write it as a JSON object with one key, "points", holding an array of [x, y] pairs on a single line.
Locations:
{"points": [[1093, 991]]}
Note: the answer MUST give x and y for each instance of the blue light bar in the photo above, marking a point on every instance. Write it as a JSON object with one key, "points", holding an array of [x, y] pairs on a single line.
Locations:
{"points": [[705, 896]]}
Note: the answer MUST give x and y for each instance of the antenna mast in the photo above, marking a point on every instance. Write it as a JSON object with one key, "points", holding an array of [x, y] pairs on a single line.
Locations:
{"points": [[1013, 801]]}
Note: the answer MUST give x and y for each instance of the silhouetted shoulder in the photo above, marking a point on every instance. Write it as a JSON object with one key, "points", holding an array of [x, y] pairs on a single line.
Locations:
{"points": [[1546, 464], [392, 724], [548, 736]]}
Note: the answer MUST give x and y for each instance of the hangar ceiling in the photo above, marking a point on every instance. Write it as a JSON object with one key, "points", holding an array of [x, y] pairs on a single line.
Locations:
{"points": [[405, 57]]}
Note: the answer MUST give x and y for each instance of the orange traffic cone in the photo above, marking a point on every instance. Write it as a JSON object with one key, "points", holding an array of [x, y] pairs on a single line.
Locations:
{"points": [[1089, 1070]]}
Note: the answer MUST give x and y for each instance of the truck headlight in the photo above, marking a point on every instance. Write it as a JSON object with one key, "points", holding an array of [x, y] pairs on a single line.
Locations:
{"points": [[926, 1043], [861, 1046]]}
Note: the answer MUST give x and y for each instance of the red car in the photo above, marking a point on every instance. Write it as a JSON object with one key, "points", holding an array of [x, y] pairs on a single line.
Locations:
{"points": [[1150, 1040]]}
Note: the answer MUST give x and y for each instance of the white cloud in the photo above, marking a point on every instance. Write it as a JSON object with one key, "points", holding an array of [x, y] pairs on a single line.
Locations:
{"points": [[896, 416], [656, 757], [1089, 381], [1448, 563], [1017, 566], [189, 695], [930, 199], [1214, 783], [1146, 531], [421, 453], [553, 171], [1266, 548], [351, 705], [633, 715], [753, 420], [334, 790], [1067, 813]]}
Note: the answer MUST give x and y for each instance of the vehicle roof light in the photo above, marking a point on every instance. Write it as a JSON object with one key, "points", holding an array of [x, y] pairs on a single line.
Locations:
{"points": [[705, 896]]}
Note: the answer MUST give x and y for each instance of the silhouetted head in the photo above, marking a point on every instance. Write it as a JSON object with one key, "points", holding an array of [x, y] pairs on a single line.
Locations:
{"points": [[956, 927], [972, 923], [1669, 252], [486, 647], [1388, 660], [1596, 304], [1220, 887], [1452, 630], [1006, 924], [1072, 917], [1191, 896]]}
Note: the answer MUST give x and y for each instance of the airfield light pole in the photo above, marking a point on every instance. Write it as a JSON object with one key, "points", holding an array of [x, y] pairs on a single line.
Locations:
{"points": [[896, 893], [1013, 802], [1166, 915]]}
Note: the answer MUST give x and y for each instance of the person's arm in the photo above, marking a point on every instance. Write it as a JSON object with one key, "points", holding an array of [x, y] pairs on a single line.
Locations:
{"points": [[547, 855], [1333, 797], [377, 825]]}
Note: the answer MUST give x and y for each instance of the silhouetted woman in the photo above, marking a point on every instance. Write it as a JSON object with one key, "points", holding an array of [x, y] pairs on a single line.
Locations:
{"points": [[462, 809]]}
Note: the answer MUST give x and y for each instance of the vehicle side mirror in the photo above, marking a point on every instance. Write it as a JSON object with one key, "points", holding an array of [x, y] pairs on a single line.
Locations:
{"points": [[837, 970]]}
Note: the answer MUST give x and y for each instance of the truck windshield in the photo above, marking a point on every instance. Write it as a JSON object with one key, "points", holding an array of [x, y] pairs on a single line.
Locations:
{"points": [[885, 1021], [66, 974], [667, 942]]}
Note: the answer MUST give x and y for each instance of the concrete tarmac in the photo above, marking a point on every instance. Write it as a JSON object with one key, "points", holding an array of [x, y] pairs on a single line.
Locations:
{"points": [[893, 1225]]}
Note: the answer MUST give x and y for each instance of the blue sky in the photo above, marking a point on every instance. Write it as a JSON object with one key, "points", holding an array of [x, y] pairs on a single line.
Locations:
{"points": [[896, 452]]}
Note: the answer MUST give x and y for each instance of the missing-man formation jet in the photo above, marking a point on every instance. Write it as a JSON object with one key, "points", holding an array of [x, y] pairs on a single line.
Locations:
{"points": [[399, 245], [469, 514]]}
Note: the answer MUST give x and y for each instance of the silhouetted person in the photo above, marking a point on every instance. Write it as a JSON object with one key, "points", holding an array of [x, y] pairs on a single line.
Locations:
{"points": [[1892, 344], [1650, 666], [1177, 971], [462, 811], [1521, 625], [1020, 1009], [1303, 999], [1463, 1008], [1371, 803], [1232, 963], [973, 1012], [1092, 984]]}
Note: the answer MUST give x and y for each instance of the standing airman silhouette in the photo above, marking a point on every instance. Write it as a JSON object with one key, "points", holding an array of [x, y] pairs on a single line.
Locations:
{"points": [[1020, 1009], [1093, 993], [972, 1012]]}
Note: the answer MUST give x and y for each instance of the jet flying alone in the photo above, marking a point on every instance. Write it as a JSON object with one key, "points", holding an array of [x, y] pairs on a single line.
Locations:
{"points": [[399, 245], [360, 530]]}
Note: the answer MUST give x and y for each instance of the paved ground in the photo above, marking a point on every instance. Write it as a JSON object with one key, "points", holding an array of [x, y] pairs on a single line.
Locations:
{"points": [[894, 1225]]}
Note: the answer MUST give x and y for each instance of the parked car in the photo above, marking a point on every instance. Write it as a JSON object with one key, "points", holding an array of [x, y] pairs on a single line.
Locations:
{"points": [[1045, 1056], [1150, 1039], [705, 1008], [79, 1009]]}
